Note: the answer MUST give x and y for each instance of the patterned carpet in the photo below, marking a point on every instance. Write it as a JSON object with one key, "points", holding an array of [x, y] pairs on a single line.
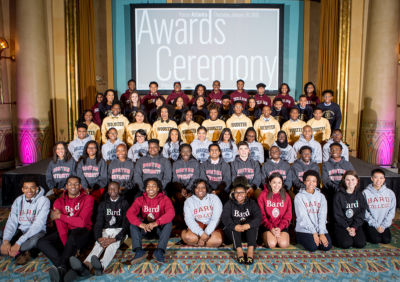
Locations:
{"points": [[375, 262]]}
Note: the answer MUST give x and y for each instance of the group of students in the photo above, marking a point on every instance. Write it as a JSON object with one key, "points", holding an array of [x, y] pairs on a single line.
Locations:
{"points": [[217, 185]]}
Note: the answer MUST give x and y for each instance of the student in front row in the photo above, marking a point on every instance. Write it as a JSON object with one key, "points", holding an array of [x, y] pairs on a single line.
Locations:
{"points": [[349, 208], [311, 215], [202, 215], [26, 223], [241, 218], [149, 215], [276, 210], [381, 208], [72, 214]]}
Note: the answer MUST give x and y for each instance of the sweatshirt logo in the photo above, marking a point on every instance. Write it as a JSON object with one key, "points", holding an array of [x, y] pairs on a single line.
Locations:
{"points": [[349, 213], [214, 175], [336, 174], [147, 209], [275, 212], [70, 210], [238, 125], [247, 172], [184, 173], [244, 214], [151, 168], [203, 212], [111, 212], [379, 202]]}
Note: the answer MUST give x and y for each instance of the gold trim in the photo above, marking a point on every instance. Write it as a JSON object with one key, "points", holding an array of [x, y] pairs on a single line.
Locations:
{"points": [[343, 60]]}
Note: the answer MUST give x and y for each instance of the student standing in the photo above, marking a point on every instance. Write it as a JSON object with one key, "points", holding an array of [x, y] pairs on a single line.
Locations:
{"points": [[330, 110], [109, 148], [238, 122], [110, 98], [154, 113], [226, 109], [171, 148], [227, 145], [267, 128], [125, 97], [149, 100], [133, 106], [279, 112], [96, 110], [216, 93], [177, 92], [213, 125], [311, 94], [283, 93], [115, 120], [199, 109], [262, 99], [140, 146], [305, 110], [93, 130], [239, 94], [162, 126], [252, 111]]}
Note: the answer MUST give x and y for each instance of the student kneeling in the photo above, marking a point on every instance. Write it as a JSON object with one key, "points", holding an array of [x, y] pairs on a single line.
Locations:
{"points": [[149, 214], [202, 214]]}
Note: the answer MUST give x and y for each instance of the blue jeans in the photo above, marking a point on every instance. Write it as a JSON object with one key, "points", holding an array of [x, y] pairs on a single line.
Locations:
{"points": [[163, 232]]}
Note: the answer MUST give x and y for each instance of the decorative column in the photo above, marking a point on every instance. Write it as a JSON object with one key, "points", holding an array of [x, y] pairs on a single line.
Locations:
{"points": [[35, 135], [380, 83]]}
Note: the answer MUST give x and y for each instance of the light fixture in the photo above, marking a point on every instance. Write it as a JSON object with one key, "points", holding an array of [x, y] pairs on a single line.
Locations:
{"points": [[3, 46]]}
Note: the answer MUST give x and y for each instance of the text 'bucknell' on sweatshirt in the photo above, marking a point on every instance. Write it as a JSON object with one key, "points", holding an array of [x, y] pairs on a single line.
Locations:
{"points": [[216, 174], [316, 154], [381, 206], [297, 171], [206, 211], [245, 213], [216, 97], [75, 213], [275, 211], [249, 168], [150, 167], [93, 173], [282, 167], [122, 173], [76, 147], [349, 209], [57, 173], [332, 172], [144, 209], [200, 149], [311, 212], [186, 172]]}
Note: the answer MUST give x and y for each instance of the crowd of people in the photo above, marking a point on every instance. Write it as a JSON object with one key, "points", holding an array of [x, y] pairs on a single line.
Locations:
{"points": [[217, 168]]}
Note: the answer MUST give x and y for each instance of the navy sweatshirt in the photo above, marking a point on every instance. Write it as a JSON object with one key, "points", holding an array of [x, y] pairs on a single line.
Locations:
{"points": [[332, 113], [281, 116], [306, 113]]}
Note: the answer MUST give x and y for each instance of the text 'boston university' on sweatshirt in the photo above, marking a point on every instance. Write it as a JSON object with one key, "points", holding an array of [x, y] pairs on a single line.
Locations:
{"points": [[275, 211], [122, 173], [28, 216], [248, 168], [245, 213], [332, 172], [57, 173], [381, 206], [93, 173], [186, 172], [282, 167], [206, 211], [216, 174], [297, 171], [150, 167]]}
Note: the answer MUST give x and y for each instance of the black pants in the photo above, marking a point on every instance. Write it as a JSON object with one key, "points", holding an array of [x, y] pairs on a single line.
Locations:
{"points": [[52, 247], [307, 241], [237, 238], [345, 241], [375, 237]]}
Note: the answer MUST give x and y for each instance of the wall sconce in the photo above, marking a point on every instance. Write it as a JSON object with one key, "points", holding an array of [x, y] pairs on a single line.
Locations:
{"points": [[3, 46]]}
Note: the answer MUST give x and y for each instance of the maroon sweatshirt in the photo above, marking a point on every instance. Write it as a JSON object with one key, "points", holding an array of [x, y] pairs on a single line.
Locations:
{"points": [[275, 212], [288, 101], [174, 95], [239, 96]]}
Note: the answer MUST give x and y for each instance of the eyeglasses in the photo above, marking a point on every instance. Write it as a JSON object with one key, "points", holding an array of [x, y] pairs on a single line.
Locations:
{"points": [[73, 184], [240, 193]]}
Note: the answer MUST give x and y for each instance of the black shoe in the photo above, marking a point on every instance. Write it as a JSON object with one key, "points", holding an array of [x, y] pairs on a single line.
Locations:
{"points": [[240, 260], [158, 255], [79, 267], [70, 276], [56, 273], [97, 266]]}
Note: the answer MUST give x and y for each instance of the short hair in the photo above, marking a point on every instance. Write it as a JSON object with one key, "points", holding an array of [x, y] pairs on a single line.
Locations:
{"points": [[294, 109], [198, 181], [81, 125], [302, 96], [328, 91], [30, 179], [214, 145], [243, 143], [336, 144], [261, 85], [155, 141], [177, 82], [239, 80], [378, 170], [304, 148], [202, 128], [73, 177], [225, 96], [123, 145], [311, 172], [156, 180], [240, 181], [184, 145], [116, 103], [131, 80], [153, 82], [216, 81], [317, 109], [278, 100], [113, 182], [238, 102], [337, 130]]}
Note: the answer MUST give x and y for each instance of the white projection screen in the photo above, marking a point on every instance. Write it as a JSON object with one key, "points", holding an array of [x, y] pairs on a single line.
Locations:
{"points": [[199, 44]]}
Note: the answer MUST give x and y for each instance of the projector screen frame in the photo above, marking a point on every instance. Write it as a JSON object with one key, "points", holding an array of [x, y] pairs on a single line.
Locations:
{"points": [[208, 6]]}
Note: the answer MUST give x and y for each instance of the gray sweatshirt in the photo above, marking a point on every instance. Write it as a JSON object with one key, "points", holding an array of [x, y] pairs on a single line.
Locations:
{"points": [[186, 172], [92, 174], [287, 154], [200, 149], [311, 212], [227, 153], [138, 150], [381, 206], [332, 173], [57, 173], [326, 151], [207, 211], [121, 172], [256, 151], [249, 168], [282, 167], [171, 150], [298, 169], [77, 145], [29, 217], [216, 175], [316, 155], [150, 167], [108, 150]]}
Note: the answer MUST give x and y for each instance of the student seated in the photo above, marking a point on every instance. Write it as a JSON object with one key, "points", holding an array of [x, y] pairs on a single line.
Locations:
{"points": [[349, 208], [256, 149], [307, 139], [200, 145], [139, 123], [153, 166], [150, 215], [305, 110], [26, 223], [108, 150], [382, 209], [188, 128], [177, 92], [227, 145], [110, 230], [213, 125], [276, 165], [320, 126], [115, 120], [140, 146], [330, 110], [267, 128], [162, 126], [311, 213], [150, 99], [276, 210], [76, 146], [287, 152], [171, 147], [72, 214], [241, 217], [60, 168], [238, 122], [202, 215], [294, 126], [336, 137]]}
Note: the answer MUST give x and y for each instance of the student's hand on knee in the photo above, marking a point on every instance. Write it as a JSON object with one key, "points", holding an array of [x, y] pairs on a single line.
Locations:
{"points": [[324, 240], [5, 248], [316, 239], [239, 228], [14, 250], [204, 237], [152, 225]]}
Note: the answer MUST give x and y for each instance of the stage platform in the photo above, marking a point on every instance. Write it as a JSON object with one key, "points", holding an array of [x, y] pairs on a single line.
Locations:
{"points": [[11, 179]]}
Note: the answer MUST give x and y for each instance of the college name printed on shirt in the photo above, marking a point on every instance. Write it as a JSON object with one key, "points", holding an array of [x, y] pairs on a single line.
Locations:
{"points": [[61, 168], [90, 171], [336, 174], [148, 209], [151, 167], [203, 212], [349, 209], [295, 131], [185, 173], [280, 171], [379, 202], [70, 210], [238, 125], [239, 98], [113, 212], [312, 206], [247, 172], [214, 175], [115, 124], [268, 127], [112, 154], [27, 215], [202, 153], [164, 129], [243, 215]]}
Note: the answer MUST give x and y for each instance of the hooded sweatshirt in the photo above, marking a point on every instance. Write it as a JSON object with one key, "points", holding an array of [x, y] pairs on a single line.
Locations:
{"points": [[188, 131], [293, 129], [216, 174], [288, 101], [262, 100], [216, 97], [93, 131], [174, 95], [316, 154], [349, 209], [158, 209], [76, 147], [186, 172], [207, 211], [249, 168], [239, 96], [75, 213], [119, 122], [138, 150], [287, 153], [214, 128], [246, 213], [57, 173], [238, 125], [29, 217], [267, 130], [282, 167], [256, 151], [93, 174], [112, 214], [298, 169], [149, 167], [275, 211], [311, 212], [332, 172], [108, 150], [381, 206], [171, 150], [228, 154], [326, 150], [121, 172], [200, 149]]}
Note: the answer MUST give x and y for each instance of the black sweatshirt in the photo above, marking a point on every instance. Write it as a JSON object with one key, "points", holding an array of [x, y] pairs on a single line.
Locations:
{"points": [[281, 116], [332, 113], [112, 215], [306, 113], [246, 213], [349, 209]]}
